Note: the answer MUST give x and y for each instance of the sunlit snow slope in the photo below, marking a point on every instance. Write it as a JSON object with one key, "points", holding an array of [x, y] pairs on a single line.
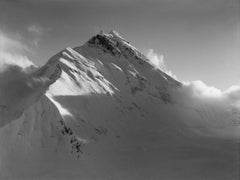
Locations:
{"points": [[103, 111]]}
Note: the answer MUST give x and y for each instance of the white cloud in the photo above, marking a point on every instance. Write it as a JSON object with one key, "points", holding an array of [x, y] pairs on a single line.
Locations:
{"points": [[7, 59], [158, 62], [35, 29], [7, 43], [198, 94], [200, 89], [11, 52]]}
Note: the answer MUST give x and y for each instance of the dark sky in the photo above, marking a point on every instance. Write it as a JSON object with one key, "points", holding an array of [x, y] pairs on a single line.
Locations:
{"points": [[198, 38]]}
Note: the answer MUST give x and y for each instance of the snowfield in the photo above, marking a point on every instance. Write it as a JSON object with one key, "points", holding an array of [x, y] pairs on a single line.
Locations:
{"points": [[102, 111]]}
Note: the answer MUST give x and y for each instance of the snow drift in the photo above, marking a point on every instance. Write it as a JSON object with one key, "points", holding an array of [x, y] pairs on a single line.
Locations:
{"points": [[103, 111]]}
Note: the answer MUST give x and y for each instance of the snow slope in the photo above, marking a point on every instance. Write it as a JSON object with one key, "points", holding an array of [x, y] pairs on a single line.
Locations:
{"points": [[102, 111]]}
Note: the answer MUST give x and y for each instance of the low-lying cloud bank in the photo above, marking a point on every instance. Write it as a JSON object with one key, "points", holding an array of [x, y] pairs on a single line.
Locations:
{"points": [[199, 89], [198, 92]]}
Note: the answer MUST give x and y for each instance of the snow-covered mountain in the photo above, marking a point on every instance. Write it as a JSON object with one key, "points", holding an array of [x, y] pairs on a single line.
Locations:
{"points": [[103, 111]]}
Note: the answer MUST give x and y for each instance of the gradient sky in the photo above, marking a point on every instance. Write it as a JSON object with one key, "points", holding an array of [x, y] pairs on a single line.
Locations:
{"points": [[200, 39]]}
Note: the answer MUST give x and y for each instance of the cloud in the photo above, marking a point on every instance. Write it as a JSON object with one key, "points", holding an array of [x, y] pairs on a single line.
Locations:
{"points": [[19, 88], [198, 94], [20, 82], [9, 43], [36, 31], [7, 59], [232, 94], [12, 51], [208, 110], [158, 62], [200, 89], [197, 91]]}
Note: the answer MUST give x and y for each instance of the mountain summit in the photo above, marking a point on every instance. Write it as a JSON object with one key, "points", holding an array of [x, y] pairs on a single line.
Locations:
{"points": [[103, 111]]}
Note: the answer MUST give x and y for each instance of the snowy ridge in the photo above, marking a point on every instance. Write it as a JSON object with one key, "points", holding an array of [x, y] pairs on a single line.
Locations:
{"points": [[81, 74]]}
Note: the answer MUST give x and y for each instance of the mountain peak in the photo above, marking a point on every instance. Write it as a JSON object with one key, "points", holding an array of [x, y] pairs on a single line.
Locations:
{"points": [[103, 37], [105, 104], [107, 42], [115, 44]]}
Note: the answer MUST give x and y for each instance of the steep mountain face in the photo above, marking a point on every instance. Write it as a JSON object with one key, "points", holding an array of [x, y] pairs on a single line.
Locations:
{"points": [[102, 111]]}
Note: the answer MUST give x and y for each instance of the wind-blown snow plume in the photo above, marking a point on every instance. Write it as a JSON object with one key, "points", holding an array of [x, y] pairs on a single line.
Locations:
{"points": [[158, 62]]}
